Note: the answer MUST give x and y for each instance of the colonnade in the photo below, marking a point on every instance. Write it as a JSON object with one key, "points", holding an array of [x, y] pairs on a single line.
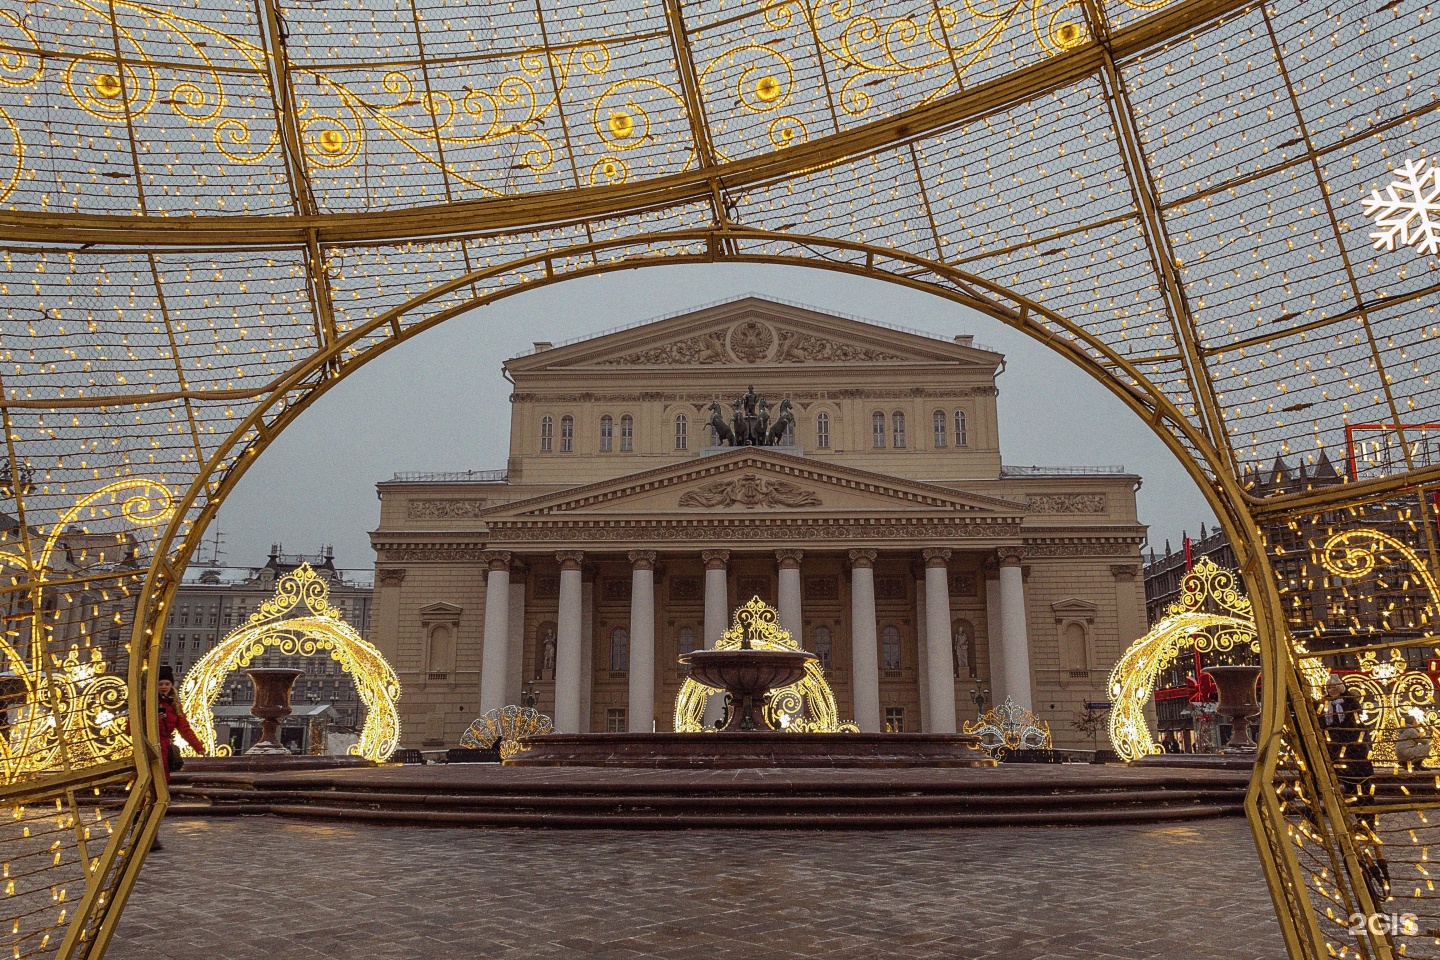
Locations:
{"points": [[1005, 600]]}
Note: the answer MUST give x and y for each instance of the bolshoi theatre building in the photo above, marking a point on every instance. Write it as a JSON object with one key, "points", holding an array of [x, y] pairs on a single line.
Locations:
{"points": [[867, 500]]}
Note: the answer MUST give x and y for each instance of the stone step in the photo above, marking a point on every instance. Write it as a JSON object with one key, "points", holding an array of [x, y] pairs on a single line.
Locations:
{"points": [[691, 820]]}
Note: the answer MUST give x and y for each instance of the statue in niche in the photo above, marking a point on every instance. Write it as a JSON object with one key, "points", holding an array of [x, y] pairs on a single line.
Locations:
{"points": [[963, 667], [547, 654]]}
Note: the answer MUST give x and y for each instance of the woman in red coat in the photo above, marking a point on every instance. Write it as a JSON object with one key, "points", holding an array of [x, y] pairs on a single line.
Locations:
{"points": [[172, 720]]}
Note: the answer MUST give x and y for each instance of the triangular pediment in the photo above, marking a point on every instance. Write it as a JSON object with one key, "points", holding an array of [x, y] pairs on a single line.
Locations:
{"points": [[1074, 607], [754, 480], [757, 333]]}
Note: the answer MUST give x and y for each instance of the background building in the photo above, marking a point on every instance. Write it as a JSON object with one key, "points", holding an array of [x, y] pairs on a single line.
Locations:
{"points": [[885, 528], [209, 606]]}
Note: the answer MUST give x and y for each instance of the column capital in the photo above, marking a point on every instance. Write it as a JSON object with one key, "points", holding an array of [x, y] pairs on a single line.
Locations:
{"points": [[862, 558], [391, 577], [1124, 571], [1011, 556], [570, 559], [495, 559], [789, 559], [642, 559], [715, 559], [936, 556]]}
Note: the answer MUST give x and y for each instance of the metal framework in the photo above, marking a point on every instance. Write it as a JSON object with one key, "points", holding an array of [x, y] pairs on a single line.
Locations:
{"points": [[212, 210]]}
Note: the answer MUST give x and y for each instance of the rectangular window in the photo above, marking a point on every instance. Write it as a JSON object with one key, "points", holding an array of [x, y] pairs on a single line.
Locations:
{"points": [[547, 434], [894, 719], [940, 432], [899, 421], [615, 720], [822, 431], [567, 434], [627, 434], [877, 431], [607, 434], [682, 433]]}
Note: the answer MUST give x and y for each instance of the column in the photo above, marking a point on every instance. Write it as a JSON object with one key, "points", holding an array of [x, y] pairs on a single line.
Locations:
{"points": [[515, 674], [717, 616], [791, 617], [940, 663], [865, 648], [1015, 635], [495, 648], [922, 651], [567, 644], [994, 635], [640, 715]]}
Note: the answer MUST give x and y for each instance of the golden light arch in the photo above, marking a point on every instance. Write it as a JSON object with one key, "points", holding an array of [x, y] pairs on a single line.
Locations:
{"points": [[193, 252], [321, 630]]}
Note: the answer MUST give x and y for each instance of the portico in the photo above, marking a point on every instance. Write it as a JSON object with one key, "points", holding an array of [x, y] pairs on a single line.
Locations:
{"points": [[875, 517]]}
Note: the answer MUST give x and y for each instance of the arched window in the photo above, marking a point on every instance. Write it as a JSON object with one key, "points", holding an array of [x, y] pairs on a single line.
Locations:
{"points": [[627, 433], [442, 651], [940, 429], [960, 428], [547, 434], [822, 431], [619, 650], [877, 430], [682, 432], [822, 645], [607, 434], [685, 640], [898, 422], [567, 434], [1074, 647], [890, 648]]}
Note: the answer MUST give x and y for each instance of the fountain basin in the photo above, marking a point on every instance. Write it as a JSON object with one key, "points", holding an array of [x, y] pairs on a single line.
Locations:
{"points": [[747, 675]]}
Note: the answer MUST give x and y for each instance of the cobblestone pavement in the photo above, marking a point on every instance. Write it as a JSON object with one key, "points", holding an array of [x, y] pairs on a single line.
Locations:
{"points": [[264, 889]]}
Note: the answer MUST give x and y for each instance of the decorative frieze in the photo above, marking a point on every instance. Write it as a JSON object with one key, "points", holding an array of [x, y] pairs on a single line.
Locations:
{"points": [[433, 554], [444, 509], [1066, 502], [1082, 548], [890, 588], [820, 589], [685, 589], [964, 585], [750, 490], [760, 528]]}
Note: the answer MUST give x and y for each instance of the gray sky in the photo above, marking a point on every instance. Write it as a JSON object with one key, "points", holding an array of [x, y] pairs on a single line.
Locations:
{"points": [[439, 402]]}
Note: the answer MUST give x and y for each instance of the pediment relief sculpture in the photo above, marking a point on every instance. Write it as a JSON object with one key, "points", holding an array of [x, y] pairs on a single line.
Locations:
{"points": [[751, 341], [750, 491]]}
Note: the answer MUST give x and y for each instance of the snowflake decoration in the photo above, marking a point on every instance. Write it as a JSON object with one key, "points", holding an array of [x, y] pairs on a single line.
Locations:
{"points": [[1411, 211]]}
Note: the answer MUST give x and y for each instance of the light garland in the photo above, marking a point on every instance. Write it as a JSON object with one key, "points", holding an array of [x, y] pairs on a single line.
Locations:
{"points": [[322, 630], [510, 725]]}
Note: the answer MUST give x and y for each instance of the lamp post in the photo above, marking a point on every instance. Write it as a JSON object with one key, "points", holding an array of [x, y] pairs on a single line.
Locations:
{"points": [[979, 697], [528, 697]]}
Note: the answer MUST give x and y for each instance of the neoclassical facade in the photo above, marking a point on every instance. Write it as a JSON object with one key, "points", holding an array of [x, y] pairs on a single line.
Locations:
{"points": [[882, 525]]}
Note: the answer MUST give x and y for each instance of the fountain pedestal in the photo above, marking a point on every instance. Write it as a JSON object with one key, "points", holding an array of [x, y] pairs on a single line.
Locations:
{"points": [[1238, 703], [272, 704]]}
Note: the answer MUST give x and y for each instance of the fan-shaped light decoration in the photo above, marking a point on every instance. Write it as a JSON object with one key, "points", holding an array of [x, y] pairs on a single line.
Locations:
{"points": [[1010, 727], [510, 725], [320, 629], [808, 705]]}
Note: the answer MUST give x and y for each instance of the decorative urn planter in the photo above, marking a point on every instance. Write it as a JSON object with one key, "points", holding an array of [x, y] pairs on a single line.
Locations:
{"points": [[746, 675], [1237, 702], [272, 703]]}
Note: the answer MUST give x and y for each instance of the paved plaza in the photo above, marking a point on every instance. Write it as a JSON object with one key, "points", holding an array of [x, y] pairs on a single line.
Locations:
{"points": [[258, 888]]}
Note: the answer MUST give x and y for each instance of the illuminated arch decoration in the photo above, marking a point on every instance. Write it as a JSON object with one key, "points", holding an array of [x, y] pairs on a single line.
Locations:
{"points": [[318, 630], [805, 706], [1212, 615], [217, 216]]}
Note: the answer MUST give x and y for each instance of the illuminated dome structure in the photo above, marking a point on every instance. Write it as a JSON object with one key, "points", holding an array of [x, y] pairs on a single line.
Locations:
{"points": [[213, 210]]}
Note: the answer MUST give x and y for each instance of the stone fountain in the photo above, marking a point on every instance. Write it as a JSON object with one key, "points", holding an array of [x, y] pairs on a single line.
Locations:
{"points": [[747, 675]]}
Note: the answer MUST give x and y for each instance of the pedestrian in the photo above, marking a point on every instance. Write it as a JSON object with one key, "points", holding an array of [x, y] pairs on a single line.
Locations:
{"points": [[1349, 749], [1412, 744], [171, 721]]}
